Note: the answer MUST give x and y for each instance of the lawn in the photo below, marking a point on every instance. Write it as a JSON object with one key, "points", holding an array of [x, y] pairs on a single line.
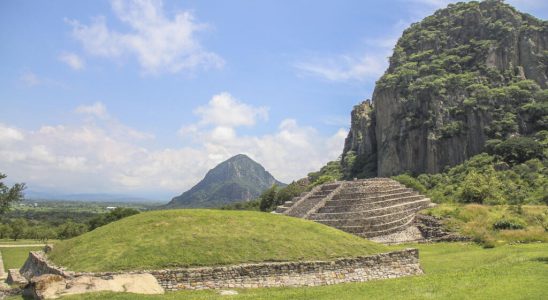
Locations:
{"points": [[452, 271], [172, 238], [14, 258]]}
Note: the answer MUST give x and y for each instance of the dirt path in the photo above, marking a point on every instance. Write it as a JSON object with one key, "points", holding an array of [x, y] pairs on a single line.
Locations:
{"points": [[22, 245]]}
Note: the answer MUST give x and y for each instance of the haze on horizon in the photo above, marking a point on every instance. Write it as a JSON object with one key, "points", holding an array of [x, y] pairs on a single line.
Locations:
{"points": [[143, 97]]}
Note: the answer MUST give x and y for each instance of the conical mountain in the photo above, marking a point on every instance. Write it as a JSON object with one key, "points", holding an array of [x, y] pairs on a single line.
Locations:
{"points": [[237, 179]]}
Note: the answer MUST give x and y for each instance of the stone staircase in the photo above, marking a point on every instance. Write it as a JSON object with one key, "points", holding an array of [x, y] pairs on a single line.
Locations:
{"points": [[367, 208], [309, 202]]}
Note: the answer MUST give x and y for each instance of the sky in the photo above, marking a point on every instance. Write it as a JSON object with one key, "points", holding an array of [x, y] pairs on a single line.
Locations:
{"points": [[143, 97]]}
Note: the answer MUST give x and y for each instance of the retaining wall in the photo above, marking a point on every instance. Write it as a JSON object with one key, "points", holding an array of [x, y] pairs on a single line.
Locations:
{"points": [[279, 274]]}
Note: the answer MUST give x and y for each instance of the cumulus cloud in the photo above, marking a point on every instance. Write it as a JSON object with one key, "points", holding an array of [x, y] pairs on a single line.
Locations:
{"points": [[225, 110], [159, 43], [99, 154], [72, 60], [9, 134]]}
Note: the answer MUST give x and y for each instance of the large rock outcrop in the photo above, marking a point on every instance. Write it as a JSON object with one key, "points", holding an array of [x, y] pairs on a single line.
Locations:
{"points": [[469, 73]]}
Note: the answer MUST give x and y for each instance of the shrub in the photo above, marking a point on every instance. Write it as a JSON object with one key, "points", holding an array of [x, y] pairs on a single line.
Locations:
{"points": [[410, 182], [519, 149], [507, 223]]}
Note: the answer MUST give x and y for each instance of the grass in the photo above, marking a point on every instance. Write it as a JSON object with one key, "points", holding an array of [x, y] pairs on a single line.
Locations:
{"points": [[478, 222], [452, 271], [14, 258], [171, 238]]}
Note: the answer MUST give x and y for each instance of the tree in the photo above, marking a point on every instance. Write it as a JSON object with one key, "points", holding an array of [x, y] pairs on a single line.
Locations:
{"points": [[519, 149], [70, 229], [268, 198], [5, 231], [9, 195], [114, 215], [18, 228]]}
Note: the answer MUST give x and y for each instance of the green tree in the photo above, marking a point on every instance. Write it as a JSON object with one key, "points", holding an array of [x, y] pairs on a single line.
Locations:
{"points": [[114, 215], [5, 231], [71, 229], [18, 228], [268, 199], [519, 149], [9, 195]]}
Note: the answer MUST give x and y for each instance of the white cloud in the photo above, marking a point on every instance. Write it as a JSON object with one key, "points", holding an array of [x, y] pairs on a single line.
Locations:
{"points": [[102, 155], [10, 134], [225, 110], [30, 79], [97, 109], [72, 60], [365, 65], [345, 67], [160, 44]]}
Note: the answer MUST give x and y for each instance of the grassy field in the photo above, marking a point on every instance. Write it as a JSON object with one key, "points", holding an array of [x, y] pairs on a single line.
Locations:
{"points": [[171, 238], [495, 225], [15, 257], [452, 271]]}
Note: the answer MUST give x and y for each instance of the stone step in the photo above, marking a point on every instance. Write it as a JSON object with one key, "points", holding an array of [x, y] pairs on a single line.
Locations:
{"points": [[360, 205], [368, 221], [347, 195], [330, 186], [301, 208], [422, 203], [370, 234], [280, 209], [376, 227], [368, 199], [366, 188]]}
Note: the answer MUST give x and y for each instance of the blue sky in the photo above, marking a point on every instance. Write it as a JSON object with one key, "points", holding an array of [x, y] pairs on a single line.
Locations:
{"points": [[143, 97]]}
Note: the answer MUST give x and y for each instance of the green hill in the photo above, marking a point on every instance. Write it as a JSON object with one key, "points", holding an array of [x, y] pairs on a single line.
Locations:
{"points": [[238, 178], [176, 238]]}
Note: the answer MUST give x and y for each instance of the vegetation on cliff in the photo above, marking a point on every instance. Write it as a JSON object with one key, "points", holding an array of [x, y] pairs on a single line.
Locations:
{"points": [[470, 73]]}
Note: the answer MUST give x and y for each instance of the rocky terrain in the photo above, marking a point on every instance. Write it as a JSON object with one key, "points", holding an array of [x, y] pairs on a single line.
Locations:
{"points": [[237, 179], [471, 73]]}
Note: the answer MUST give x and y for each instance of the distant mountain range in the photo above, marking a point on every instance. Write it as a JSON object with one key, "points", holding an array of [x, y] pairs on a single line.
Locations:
{"points": [[237, 179], [99, 197]]}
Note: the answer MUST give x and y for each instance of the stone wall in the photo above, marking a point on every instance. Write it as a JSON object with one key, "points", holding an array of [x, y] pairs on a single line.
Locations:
{"points": [[37, 264], [277, 274], [314, 273]]}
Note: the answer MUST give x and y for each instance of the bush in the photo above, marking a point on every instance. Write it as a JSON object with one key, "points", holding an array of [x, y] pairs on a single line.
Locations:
{"points": [[410, 182], [114, 215], [268, 199], [519, 150], [512, 224]]}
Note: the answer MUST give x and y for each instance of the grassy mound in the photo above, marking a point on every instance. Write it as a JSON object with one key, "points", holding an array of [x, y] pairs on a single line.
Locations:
{"points": [[174, 238]]}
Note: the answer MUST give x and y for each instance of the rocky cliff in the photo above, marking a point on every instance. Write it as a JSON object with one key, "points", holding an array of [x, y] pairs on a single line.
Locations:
{"points": [[237, 179], [467, 74]]}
